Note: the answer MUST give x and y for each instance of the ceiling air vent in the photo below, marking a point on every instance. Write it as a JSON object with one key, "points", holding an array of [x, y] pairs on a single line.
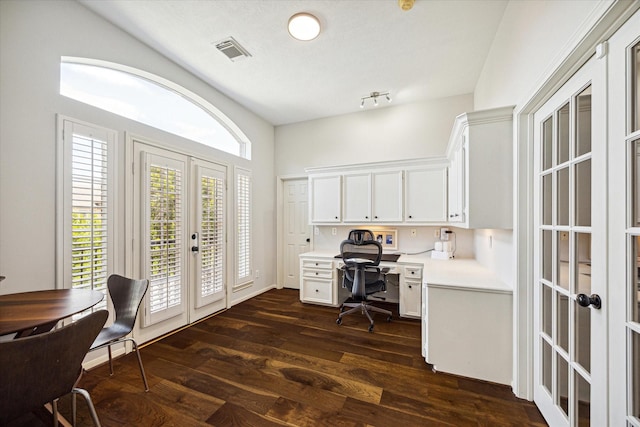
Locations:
{"points": [[232, 49]]}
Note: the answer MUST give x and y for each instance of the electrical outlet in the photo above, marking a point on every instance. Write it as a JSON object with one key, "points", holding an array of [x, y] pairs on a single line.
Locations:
{"points": [[414, 233], [257, 274], [334, 231], [316, 231], [443, 234], [436, 233]]}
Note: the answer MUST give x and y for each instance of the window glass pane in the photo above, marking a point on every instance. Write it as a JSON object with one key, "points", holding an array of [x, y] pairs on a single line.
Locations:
{"points": [[147, 102], [547, 295], [635, 372], [563, 134], [636, 183], [563, 384], [547, 357], [547, 255], [583, 193], [563, 196], [583, 336], [583, 122], [547, 144], [563, 321], [583, 263], [634, 315], [583, 405], [547, 199], [635, 60], [563, 259]]}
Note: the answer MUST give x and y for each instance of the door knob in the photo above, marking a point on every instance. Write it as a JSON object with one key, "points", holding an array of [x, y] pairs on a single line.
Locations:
{"points": [[586, 301]]}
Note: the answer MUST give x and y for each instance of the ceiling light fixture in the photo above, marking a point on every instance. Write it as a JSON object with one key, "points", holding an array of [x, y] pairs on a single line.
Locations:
{"points": [[406, 4], [304, 26], [375, 96]]}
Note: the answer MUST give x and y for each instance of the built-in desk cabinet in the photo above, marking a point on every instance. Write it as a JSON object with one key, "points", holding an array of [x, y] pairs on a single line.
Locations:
{"points": [[410, 291], [426, 194], [318, 284], [480, 153]]}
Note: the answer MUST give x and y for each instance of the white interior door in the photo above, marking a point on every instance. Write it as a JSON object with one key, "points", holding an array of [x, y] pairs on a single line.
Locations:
{"points": [[570, 352], [297, 233], [624, 223]]}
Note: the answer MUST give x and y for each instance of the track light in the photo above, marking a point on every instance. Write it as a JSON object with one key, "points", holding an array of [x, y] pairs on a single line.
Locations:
{"points": [[374, 96]]}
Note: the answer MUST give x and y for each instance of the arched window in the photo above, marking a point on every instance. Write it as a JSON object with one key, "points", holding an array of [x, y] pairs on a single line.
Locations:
{"points": [[152, 100]]}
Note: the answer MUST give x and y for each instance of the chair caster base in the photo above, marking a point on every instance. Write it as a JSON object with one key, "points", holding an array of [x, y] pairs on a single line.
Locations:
{"points": [[370, 328], [339, 321]]}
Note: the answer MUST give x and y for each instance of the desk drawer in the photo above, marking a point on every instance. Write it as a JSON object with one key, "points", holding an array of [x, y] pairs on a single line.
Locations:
{"points": [[413, 273], [324, 265], [317, 274], [317, 290]]}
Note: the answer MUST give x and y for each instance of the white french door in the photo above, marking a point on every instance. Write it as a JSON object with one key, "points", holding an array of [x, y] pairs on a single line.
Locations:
{"points": [[587, 243], [624, 223], [179, 235], [570, 352]]}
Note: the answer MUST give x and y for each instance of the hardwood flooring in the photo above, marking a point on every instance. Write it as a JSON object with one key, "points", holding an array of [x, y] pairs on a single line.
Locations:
{"points": [[273, 361]]}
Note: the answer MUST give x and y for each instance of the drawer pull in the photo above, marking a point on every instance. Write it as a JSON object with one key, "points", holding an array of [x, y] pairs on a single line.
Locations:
{"points": [[316, 273]]}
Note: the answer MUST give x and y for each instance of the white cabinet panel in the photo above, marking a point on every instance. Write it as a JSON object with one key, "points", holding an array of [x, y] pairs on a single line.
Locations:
{"points": [[325, 197], [387, 196], [426, 195], [410, 292], [357, 198]]}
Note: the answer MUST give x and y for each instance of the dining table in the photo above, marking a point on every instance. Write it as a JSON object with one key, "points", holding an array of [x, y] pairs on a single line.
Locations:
{"points": [[29, 313]]}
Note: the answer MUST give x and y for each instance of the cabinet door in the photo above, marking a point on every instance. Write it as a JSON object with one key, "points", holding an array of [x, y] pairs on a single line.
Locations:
{"points": [[426, 195], [357, 198], [456, 186], [410, 299], [325, 198], [386, 196]]}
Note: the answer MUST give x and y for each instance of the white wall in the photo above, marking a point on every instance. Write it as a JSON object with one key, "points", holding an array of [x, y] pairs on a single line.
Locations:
{"points": [[531, 39], [33, 36], [372, 135]]}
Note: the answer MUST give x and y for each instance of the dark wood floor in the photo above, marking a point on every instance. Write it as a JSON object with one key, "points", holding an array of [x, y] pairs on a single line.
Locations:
{"points": [[272, 361]]}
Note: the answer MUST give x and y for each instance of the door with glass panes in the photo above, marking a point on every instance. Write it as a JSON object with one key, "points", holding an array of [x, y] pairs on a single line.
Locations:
{"points": [[179, 237], [570, 362], [624, 224]]}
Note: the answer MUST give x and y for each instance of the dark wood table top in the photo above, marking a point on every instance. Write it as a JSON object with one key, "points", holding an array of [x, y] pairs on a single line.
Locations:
{"points": [[33, 312]]}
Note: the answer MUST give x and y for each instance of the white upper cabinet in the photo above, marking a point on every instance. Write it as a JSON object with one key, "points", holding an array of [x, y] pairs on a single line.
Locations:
{"points": [[426, 194], [480, 152], [357, 198], [325, 196], [372, 197]]}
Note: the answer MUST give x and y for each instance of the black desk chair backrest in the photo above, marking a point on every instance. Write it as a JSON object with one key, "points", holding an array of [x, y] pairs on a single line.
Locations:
{"points": [[361, 255], [126, 295], [41, 368]]}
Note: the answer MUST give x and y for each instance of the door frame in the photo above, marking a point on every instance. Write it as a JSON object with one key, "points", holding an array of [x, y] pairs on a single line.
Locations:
{"points": [[605, 20], [280, 181]]}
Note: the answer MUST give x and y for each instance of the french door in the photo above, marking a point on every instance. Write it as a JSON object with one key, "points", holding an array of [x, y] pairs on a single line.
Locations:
{"points": [[179, 236], [570, 352], [624, 223], [587, 241]]}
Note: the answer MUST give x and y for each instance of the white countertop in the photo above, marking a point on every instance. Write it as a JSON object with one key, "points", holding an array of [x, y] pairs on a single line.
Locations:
{"points": [[463, 274]]}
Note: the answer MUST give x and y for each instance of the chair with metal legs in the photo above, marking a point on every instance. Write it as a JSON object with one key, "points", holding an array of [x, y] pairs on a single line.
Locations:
{"points": [[126, 296], [39, 369]]}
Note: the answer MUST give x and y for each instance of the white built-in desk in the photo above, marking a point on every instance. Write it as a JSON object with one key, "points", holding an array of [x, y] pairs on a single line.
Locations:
{"points": [[466, 310], [467, 318]]}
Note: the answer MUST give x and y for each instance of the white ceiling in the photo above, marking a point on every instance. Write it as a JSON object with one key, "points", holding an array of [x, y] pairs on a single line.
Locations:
{"points": [[435, 50]]}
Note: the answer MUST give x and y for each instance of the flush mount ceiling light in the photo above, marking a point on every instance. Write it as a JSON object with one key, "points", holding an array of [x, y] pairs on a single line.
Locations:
{"points": [[304, 26], [375, 96], [406, 4]]}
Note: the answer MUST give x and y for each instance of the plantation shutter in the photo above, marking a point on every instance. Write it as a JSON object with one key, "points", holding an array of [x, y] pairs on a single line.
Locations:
{"points": [[88, 208], [211, 224], [244, 262], [164, 231]]}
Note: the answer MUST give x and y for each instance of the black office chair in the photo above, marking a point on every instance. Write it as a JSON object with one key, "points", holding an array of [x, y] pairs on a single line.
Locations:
{"points": [[361, 255], [42, 368], [126, 295]]}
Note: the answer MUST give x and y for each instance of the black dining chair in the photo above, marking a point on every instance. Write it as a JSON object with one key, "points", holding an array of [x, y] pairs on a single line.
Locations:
{"points": [[126, 296], [39, 369]]}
